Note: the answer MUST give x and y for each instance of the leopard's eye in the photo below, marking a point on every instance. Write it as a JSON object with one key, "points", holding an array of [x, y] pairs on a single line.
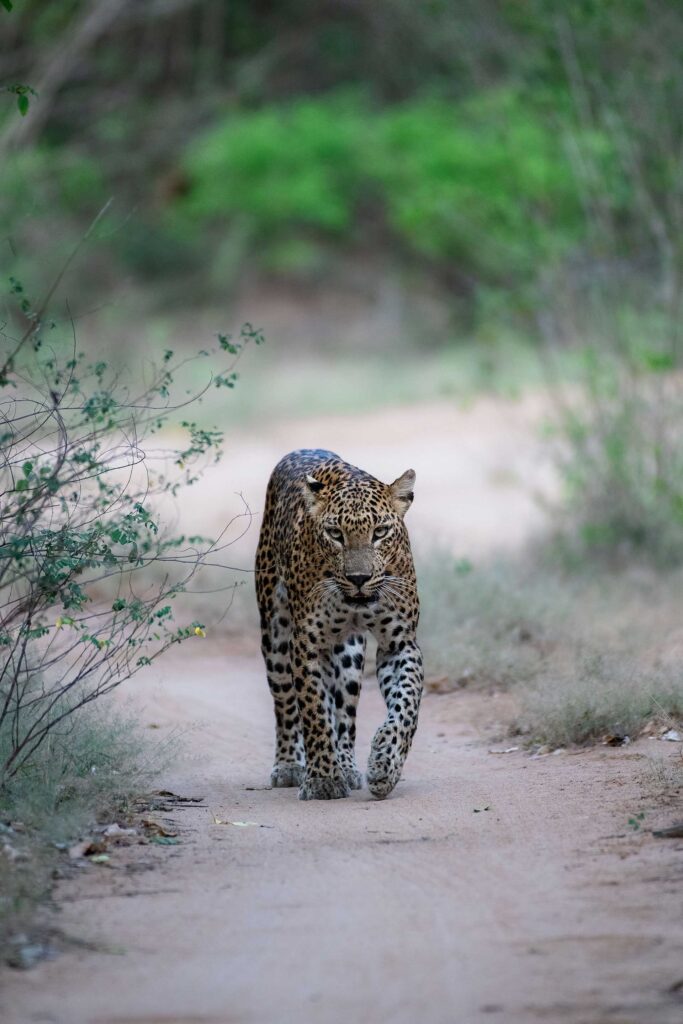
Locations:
{"points": [[335, 534], [380, 532]]}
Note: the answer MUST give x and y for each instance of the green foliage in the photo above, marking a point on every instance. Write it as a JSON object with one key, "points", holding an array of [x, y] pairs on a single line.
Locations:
{"points": [[298, 166], [485, 183], [79, 533], [466, 136], [22, 92], [42, 183]]}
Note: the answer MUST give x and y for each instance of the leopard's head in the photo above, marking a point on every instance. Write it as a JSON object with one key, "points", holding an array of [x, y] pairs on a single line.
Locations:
{"points": [[358, 525]]}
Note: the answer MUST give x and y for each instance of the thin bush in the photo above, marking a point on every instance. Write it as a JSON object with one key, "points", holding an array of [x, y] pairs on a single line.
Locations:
{"points": [[596, 695], [618, 300], [89, 574], [91, 765], [619, 451], [583, 655]]}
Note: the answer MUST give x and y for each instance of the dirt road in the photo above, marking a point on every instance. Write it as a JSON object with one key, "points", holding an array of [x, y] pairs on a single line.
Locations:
{"points": [[491, 886]]}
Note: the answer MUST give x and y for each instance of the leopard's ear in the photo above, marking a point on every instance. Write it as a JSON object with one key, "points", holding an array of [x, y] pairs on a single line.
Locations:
{"points": [[311, 489], [402, 492]]}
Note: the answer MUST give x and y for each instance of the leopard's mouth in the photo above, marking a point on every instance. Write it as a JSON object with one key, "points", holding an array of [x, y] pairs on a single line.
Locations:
{"points": [[360, 600]]}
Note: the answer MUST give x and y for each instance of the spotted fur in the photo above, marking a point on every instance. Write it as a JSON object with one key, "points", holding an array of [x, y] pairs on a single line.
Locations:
{"points": [[334, 564]]}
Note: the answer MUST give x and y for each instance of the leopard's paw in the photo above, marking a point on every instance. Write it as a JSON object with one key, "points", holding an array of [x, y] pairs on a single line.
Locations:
{"points": [[381, 785], [384, 768], [354, 778], [328, 787], [285, 774]]}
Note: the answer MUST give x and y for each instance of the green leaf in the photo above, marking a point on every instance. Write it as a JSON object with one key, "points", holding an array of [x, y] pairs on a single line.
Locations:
{"points": [[22, 485], [164, 841], [7, 4], [658, 362], [22, 100]]}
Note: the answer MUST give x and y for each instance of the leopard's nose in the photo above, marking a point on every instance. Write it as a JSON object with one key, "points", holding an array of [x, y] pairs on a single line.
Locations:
{"points": [[358, 578]]}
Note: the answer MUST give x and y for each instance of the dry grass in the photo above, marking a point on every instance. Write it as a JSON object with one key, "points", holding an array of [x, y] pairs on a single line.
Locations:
{"points": [[597, 695], [84, 773], [486, 625], [585, 655], [663, 780]]}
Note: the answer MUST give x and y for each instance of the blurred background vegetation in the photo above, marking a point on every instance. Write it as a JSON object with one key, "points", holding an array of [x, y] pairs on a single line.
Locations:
{"points": [[458, 185], [486, 154]]}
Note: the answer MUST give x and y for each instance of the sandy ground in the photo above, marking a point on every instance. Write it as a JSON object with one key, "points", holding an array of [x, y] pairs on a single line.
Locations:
{"points": [[489, 887]]}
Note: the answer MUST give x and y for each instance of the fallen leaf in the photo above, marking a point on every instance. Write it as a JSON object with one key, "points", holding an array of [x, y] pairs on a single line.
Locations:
{"points": [[158, 830], [85, 847], [446, 684], [672, 735], [100, 858], [508, 750], [113, 831], [164, 841], [238, 824], [180, 799], [615, 740]]}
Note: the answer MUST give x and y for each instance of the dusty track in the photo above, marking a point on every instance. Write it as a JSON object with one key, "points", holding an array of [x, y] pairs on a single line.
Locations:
{"points": [[427, 907]]}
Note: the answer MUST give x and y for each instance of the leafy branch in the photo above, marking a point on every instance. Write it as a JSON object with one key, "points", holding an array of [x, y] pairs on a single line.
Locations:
{"points": [[89, 575]]}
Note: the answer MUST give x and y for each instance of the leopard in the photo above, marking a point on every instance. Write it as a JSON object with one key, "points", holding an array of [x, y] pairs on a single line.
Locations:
{"points": [[334, 566]]}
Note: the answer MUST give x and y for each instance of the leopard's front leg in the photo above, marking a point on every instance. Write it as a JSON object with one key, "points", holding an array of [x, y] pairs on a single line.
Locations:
{"points": [[324, 778], [400, 676]]}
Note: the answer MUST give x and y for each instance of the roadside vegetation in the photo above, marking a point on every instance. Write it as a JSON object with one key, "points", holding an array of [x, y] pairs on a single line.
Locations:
{"points": [[494, 150], [91, 769], [90, 575], [587, 655]]}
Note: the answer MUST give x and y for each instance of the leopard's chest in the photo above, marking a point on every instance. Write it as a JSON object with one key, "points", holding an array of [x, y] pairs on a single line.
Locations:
{"points": [[336, 619]]}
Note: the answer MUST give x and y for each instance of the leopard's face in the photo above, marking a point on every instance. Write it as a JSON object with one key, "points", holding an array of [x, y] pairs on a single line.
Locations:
{"points": [[360, 535]]}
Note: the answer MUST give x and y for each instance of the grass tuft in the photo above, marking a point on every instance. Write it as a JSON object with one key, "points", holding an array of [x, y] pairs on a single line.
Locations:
{"points": [[85, 772], [597, 695], [483, 624], [585, 655]]}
